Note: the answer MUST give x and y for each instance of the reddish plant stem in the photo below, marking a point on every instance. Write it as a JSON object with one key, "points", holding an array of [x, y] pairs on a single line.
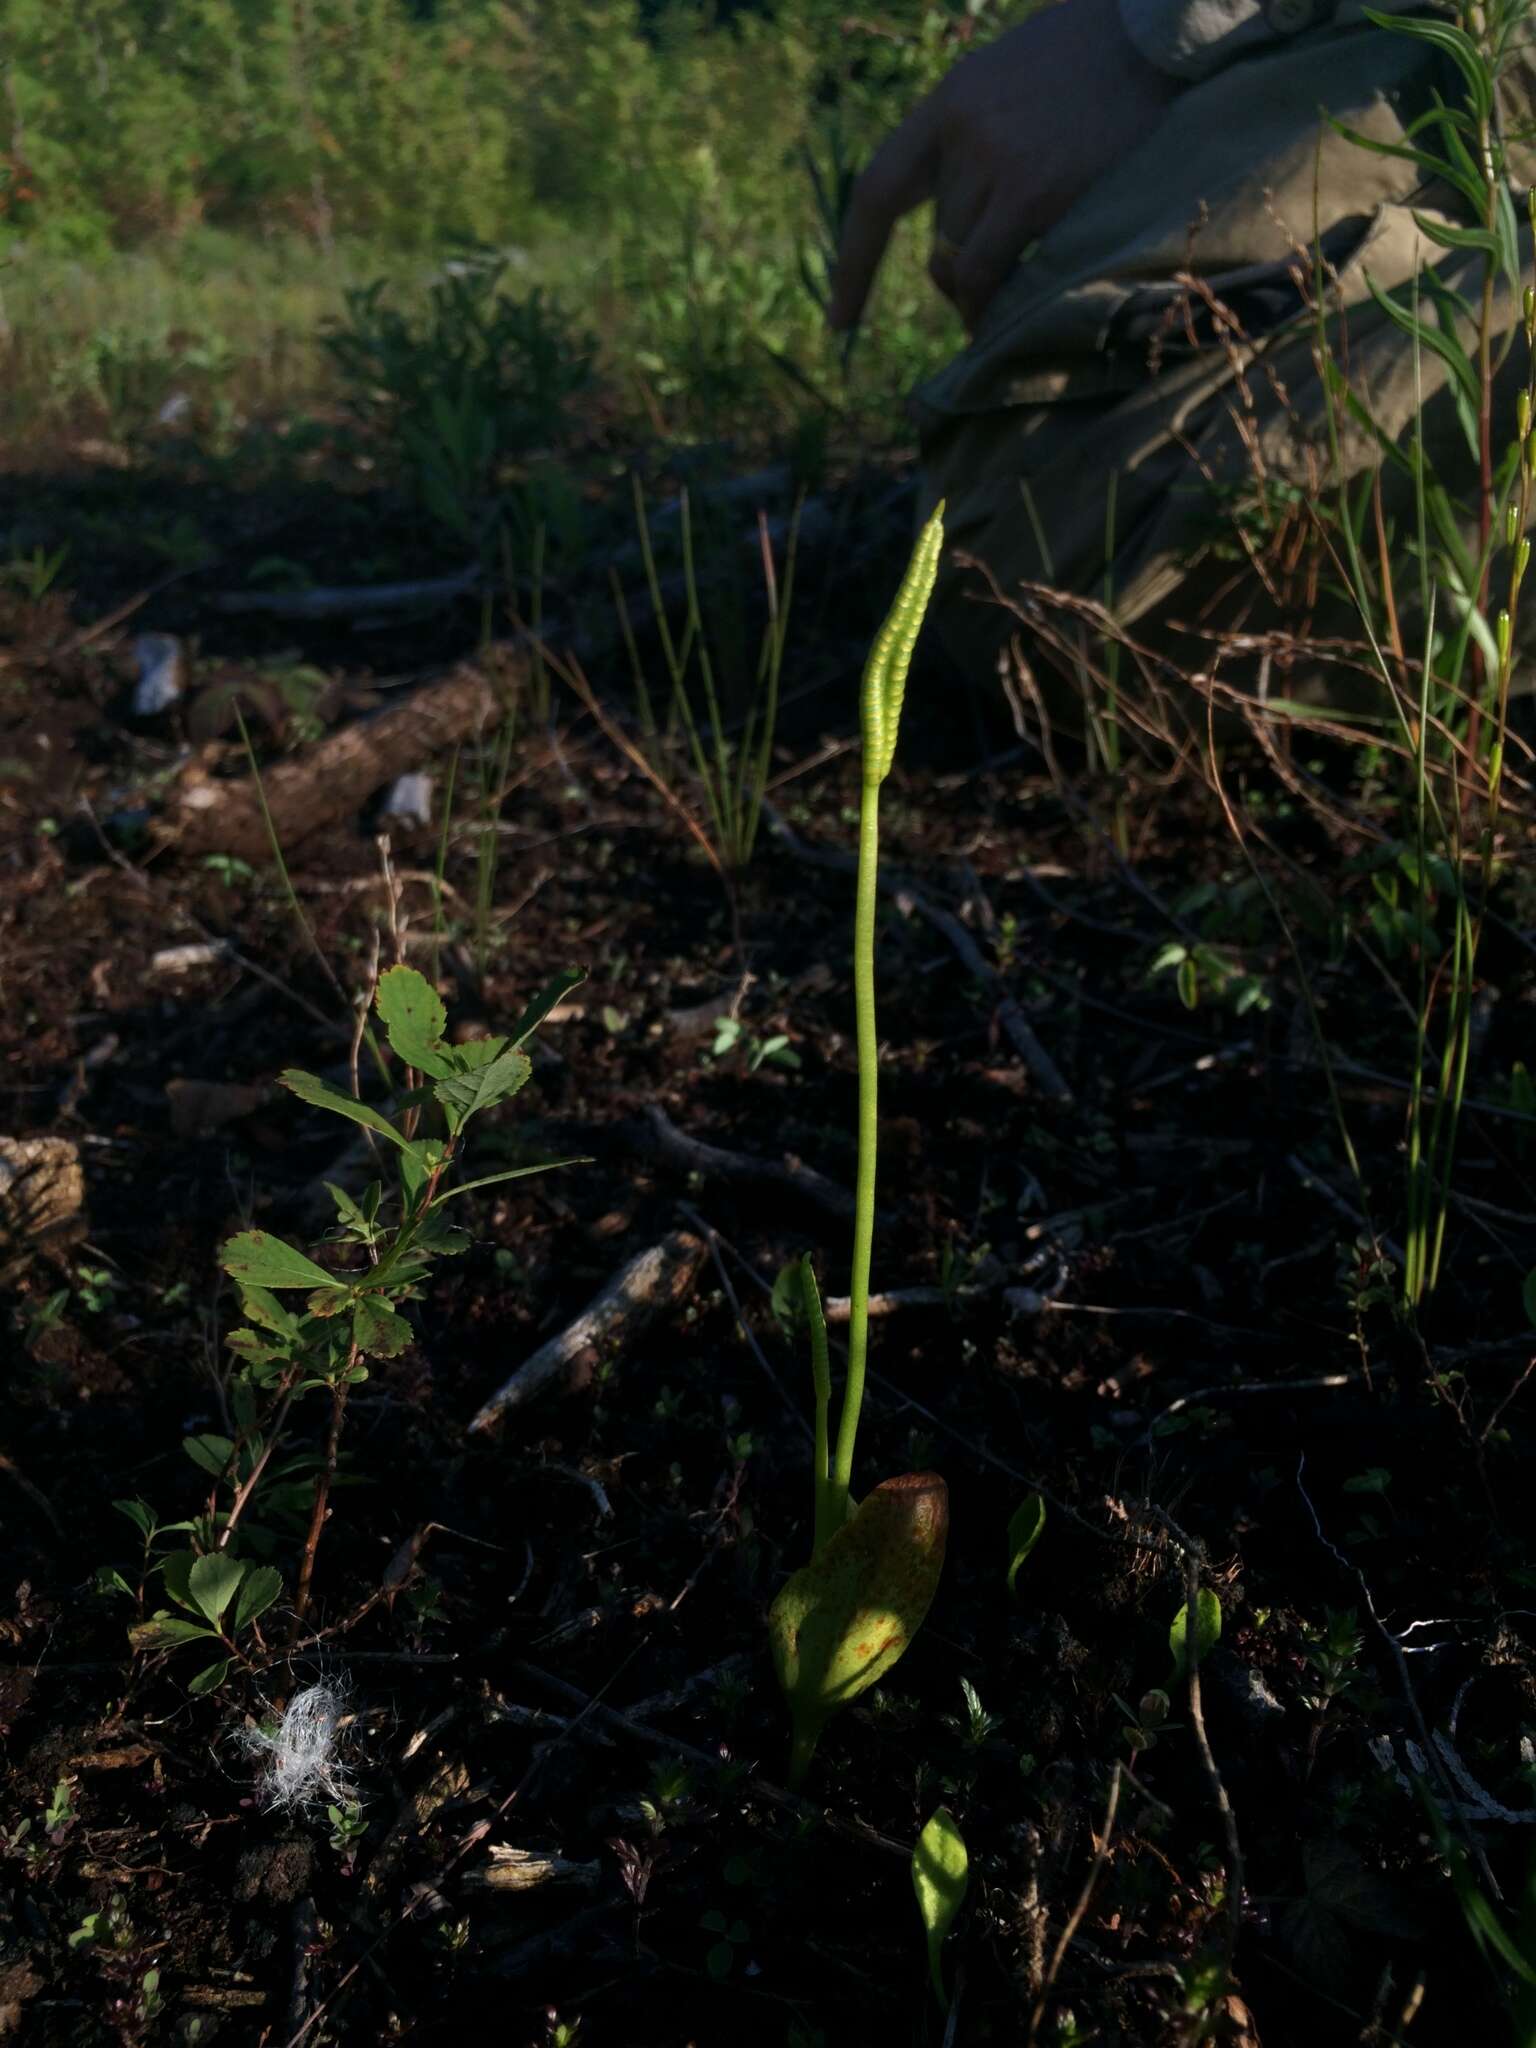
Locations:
{"points": [[323, 1484]]}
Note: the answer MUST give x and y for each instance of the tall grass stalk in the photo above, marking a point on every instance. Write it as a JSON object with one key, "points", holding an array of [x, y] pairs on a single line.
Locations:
{"points": [[731, 773], [1455, 737]]}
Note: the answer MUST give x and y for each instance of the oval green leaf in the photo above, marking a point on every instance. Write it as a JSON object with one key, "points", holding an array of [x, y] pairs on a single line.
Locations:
{"points": [[940, 1874], [258, 1259], [1025, 1528], [842, 1622]]}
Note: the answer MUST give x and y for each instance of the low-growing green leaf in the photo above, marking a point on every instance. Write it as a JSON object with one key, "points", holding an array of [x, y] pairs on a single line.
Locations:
{"points": [[210, 1678], [1025, 1528], [1207, 1631], [262, 1584], [843, 1620], [940, 1874], [310, 1088], [414, 1019], [378, 1330], [209, 1453], [212, 1582], [258, 1259], [328, 1301]]}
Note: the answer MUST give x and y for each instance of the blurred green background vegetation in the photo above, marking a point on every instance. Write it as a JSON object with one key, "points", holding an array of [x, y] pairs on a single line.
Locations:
{"points": [[190, 188]]}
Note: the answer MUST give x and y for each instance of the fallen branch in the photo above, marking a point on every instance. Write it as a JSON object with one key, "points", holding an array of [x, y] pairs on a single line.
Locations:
{"points": [[678, 1149], [657, 1278], [330, 780], [350, 600]]}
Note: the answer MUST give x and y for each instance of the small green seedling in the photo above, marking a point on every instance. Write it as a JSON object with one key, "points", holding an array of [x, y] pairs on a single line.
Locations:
{"points": [[940, 1874], [1025, 1528], [1207, 1633], [849, 1614], [385, 1244], [225, 1596]]}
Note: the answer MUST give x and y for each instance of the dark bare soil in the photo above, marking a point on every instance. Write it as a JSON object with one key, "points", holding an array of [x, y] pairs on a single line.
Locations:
{"points": [[1153, 1310]]}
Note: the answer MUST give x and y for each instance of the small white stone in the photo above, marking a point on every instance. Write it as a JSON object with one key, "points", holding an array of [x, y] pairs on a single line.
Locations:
{"points": [[410, 797], [161, 673]]}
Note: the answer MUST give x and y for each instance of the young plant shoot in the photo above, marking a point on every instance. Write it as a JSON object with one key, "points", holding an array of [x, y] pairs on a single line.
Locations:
{"points": [[848, 1615], [261, 1491]]}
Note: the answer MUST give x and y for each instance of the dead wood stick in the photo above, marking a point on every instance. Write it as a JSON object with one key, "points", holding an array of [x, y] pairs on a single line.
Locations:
{"points": [[347, 600], [907, 899], [716, 1163], [331, 779], [655, 1279]]}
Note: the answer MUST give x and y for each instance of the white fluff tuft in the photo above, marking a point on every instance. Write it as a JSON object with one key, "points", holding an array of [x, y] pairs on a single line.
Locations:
{"points": [[301, 1765]]}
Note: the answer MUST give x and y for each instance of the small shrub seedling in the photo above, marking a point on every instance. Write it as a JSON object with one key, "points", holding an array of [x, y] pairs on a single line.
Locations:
{"points": [[846, 1617], [351, 1313]]}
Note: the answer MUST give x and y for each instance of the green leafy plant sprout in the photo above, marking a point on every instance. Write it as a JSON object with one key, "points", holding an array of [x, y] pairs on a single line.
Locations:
{"points": [[384, 1245], [841, 1621], [940, 1877]]}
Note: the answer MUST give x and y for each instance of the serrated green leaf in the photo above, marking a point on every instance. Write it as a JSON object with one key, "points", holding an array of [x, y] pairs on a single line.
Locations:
{"points": [[475, 1053], [1207, 1631], [212, 1582], [310, 1088], [262, 1584], [328, 1301], [211, 1454], [210, 1678], [377, 1329], [175, 1571], [489, 1180], [263, 1307], [1025, 1528], [940, 1875], [258, 1259], [414, 1019], [465, 1094], [549, 997]]}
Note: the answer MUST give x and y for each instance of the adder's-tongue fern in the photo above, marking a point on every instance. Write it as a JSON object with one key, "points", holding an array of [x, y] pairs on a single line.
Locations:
{"points": [[885, 672]]}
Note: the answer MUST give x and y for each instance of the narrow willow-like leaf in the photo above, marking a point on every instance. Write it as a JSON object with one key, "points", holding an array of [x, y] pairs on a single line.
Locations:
{"points": [[842, 1621], [940, 1874], [310, 1088], [1025, 1528], [548, 998], [885, 673], [1207, 1632]]}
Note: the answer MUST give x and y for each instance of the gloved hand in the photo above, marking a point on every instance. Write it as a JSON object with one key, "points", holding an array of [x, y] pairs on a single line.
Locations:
{"points": [[1016, 132]]}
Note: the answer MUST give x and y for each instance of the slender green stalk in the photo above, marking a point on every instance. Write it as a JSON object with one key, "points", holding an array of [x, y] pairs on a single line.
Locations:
{"points": [[885, 679], [821, 1380]]}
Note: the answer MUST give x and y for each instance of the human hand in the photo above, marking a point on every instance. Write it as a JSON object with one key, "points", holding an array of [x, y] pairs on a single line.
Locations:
{"points": [[1003, 146]]}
